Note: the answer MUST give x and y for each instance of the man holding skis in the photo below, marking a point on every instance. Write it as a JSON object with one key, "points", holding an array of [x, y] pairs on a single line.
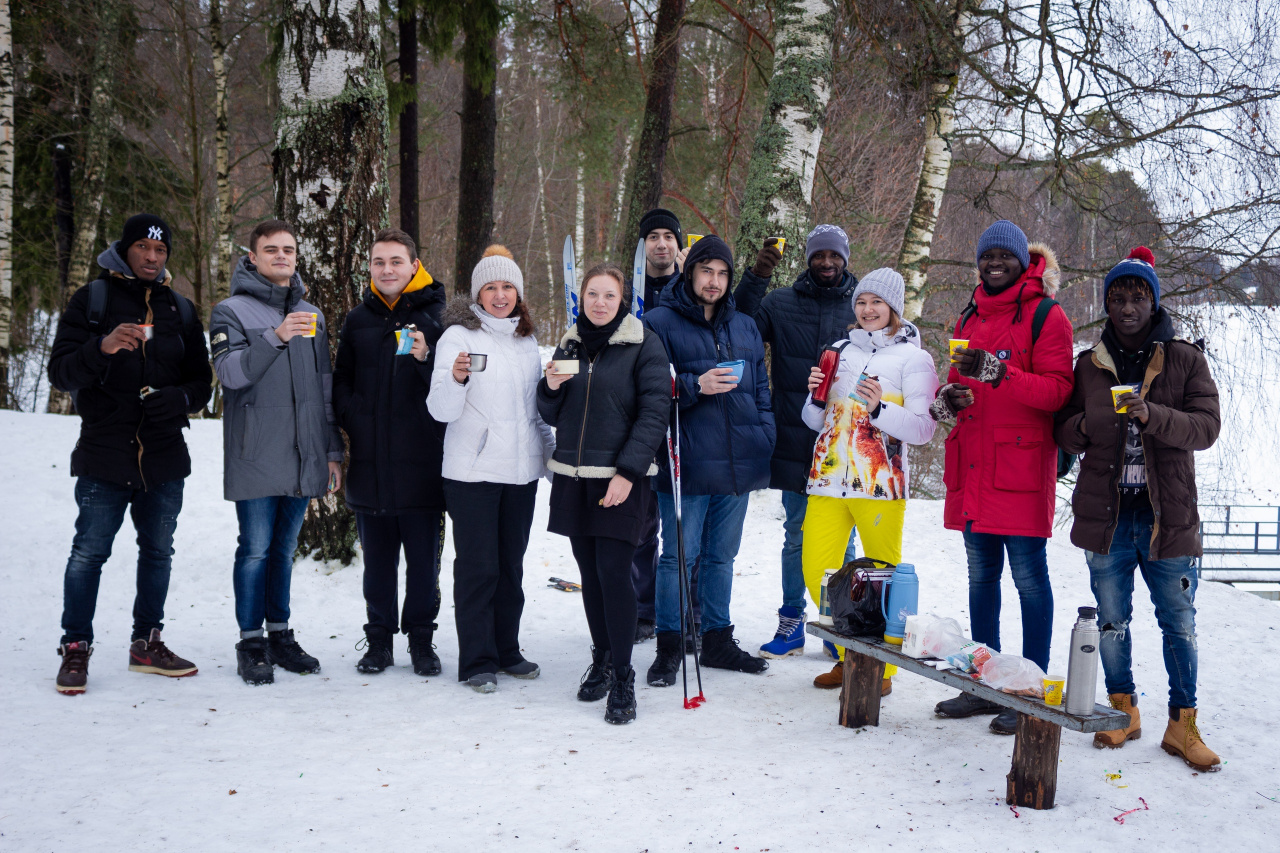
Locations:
{"points": [[726, 438], [797, 322]]}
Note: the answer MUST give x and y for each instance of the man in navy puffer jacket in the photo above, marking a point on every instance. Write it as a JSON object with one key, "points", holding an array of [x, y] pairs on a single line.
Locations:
{"points": [[726, 439]]}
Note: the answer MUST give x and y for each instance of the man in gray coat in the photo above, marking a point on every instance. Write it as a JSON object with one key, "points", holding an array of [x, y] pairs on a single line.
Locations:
{"points": [[281, 444]]}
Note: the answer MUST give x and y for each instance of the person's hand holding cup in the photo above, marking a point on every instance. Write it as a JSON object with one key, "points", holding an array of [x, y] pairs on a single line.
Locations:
{"points": [[297, 323], [556, 374], [420, 350], [815, 378], [461, 368], [717, 380], [126, 336]]}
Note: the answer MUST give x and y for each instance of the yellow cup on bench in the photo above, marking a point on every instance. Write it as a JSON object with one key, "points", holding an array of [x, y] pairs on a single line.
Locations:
{"points": [[1053, 689]]}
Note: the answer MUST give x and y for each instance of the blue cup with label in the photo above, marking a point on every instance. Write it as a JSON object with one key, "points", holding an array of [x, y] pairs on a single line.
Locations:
{"points": [[404, 340], [736, 366]]}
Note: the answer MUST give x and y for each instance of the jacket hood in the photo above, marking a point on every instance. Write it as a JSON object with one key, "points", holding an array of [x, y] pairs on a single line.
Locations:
{"points": [[630, 331], [245, 279], [805, 284], [421, 278], [1109, 353], [678, 296], [1037, 281], [1044, 269], [907, 334], [417, 300], [111, 261]]}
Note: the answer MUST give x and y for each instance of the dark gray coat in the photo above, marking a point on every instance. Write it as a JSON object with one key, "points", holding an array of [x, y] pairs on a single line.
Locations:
{"points": [[278, 428]]}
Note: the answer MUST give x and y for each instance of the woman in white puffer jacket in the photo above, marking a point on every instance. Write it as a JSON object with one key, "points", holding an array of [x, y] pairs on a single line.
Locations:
{"points": [[495, 448], [877, 405]]}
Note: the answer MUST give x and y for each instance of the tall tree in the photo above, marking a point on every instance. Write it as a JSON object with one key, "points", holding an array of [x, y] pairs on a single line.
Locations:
{"points": [[223, 245], [7, 83], [478, 21], [330, 168], [778, 198], [408, 65], [644, 177]]}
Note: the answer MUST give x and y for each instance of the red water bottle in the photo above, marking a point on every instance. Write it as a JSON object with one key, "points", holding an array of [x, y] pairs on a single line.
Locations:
{"points": [[827, 363]]}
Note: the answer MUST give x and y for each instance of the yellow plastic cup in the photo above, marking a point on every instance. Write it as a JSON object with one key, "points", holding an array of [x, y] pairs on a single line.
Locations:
{"points": [[954, 344], [315, 323], [781, 243], [690, 239], [1116, 392], [1053, 688]]}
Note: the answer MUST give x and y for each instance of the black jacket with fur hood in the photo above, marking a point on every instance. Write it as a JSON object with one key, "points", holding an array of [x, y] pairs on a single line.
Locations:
{"points": [[611, 418]]}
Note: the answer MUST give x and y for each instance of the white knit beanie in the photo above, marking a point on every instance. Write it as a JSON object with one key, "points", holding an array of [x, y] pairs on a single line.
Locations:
{"points": [[885, 283], [496, 265]]}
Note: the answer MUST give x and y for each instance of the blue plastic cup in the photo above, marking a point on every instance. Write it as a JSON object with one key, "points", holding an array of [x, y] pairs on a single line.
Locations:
{"points": [[736, 366]]}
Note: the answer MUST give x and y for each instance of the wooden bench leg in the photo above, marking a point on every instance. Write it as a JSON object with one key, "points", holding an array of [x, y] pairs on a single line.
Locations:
{"points": [[1033, 781], [860, 692]]}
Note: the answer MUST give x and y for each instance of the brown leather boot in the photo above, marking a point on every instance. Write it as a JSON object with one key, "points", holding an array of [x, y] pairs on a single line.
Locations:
{"points": [[1182, 738], [831, 680], [886, 686], [1117, 738]]}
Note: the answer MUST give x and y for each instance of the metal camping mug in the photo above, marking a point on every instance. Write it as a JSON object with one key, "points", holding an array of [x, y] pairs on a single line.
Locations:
{"points": [[479, 361]]}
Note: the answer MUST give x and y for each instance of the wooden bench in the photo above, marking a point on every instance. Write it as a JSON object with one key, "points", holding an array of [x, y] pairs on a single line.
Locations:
{"points": [[1033, 780]]}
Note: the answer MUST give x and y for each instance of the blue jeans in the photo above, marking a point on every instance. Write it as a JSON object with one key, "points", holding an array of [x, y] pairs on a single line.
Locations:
{"points": [[1030, 569], [1172, 584], [712, 533], [264, 561], [155, 517], [794, 505]]}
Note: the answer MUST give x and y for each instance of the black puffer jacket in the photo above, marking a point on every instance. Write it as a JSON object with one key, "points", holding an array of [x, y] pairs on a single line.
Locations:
{"points": [[612, 417], [380, 400], [797, 322], [118, 443]]}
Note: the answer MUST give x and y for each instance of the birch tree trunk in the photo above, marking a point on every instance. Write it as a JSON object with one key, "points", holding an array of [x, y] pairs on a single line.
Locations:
{"points": [[935, 168], [644, 178], [224, 246], [7, 83], [330, 170], [92, 178], [778, 198]]}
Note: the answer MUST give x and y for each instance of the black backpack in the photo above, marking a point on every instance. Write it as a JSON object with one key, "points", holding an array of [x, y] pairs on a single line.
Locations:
{"points": [[1066, 461]]}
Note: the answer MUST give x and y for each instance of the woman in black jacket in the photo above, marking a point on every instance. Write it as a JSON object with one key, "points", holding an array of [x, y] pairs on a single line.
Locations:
{"points": [[393, 483], [607, 392]]}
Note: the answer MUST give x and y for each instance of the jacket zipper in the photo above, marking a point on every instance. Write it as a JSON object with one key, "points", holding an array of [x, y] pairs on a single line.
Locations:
{"points": [[724, 409], [586, 407], [146, 298]]}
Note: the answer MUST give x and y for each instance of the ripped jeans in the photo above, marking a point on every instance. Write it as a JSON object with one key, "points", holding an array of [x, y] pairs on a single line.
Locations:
{"points": [[1172, 584]]}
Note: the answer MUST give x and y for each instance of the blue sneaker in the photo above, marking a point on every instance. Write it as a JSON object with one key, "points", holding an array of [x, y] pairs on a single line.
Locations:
{"points": [[790, 637], [831, 650]]}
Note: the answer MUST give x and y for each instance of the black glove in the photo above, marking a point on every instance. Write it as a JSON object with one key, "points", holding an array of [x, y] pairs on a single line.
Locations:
{"points": [[767, 260], [950, 400], [981, 365], [165, 404]]}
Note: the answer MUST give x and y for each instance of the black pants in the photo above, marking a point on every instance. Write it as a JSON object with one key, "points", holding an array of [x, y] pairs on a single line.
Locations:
{"points": [[607, 594], [421, 534], [644, 565], [491, 524]]}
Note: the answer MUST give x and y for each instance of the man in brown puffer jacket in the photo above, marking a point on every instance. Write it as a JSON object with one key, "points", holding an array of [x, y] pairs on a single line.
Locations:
{"points": [[1135, 497]]}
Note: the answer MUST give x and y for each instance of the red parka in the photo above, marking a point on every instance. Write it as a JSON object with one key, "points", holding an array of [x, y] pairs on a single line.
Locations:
{"points": [[1001, 461]]}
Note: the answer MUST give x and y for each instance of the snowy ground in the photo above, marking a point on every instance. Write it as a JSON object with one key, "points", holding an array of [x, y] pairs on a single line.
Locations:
{"points": [[347, 761]]}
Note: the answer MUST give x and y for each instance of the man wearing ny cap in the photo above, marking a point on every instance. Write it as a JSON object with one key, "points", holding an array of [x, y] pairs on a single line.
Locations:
{"points": [[131, 352], [797, 322]]}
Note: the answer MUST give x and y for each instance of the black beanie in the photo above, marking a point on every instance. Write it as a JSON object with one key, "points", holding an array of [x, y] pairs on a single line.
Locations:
{"points": [[709, 248], [145, 226], [660, 218]]}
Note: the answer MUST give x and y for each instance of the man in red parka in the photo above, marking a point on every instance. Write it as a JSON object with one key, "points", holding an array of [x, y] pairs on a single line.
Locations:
{"points": [[1001, 462]]}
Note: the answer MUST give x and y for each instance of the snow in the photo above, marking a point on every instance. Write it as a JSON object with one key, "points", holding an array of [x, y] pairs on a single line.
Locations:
{"points": [[343, 760]]}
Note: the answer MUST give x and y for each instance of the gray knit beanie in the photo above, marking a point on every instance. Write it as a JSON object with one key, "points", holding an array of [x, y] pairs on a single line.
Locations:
{"points": [[885, 283], [826, 237], [496, 265]]}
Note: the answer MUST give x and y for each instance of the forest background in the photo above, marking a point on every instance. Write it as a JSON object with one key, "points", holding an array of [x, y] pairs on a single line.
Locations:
{"points": [[1096, 125]]}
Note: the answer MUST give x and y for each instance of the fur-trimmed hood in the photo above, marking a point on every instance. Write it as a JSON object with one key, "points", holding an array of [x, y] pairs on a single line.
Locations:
{"points": [[1051, 277], [458, 312], [629, 331]]}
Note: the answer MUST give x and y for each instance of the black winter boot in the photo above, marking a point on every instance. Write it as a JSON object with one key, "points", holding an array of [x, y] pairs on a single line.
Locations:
{"points": [[598, 678], [644, 629], [621, 707], [966, 705], [422, 652], [283, 651], [378, 656], [693, 639], [667, 664], [720, 650], [252, 661]]}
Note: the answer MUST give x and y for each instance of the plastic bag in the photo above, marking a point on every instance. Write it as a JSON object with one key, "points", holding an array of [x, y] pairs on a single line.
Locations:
{"points": [[855, 597], [1013, 674], [971, 657], [940, 636]]}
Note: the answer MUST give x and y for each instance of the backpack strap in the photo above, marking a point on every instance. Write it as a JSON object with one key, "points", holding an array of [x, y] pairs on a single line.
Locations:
{"points": [[98, 289], [1042, 313], [968, 313], [186, 311]]}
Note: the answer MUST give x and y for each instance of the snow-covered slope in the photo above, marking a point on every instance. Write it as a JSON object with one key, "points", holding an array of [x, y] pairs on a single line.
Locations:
{"points": [[352, 762]]}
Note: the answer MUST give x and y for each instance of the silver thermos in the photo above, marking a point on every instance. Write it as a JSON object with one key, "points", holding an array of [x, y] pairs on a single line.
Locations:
{"points": [[1082, 665]]}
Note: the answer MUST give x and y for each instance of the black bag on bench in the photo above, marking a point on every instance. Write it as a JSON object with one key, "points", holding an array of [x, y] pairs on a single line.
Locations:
{"points": [[855, 597]]}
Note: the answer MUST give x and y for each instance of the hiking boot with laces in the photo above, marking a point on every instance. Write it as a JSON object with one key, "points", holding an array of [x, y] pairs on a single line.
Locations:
{"points": [[378, 651], [598, 678], [1182, 738], [73, 673], [621, 707], [966, 705], [151, 655], [283, 651], [422, 653], [789, 638], [253, 661], [1117, 738], [720, 651]]}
